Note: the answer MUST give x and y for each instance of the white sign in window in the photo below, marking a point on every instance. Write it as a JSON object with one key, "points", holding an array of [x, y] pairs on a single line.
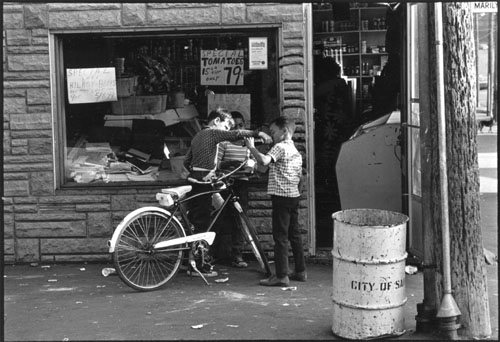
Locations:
{"points": [[222, 67], [90, 85], [258, 53]]}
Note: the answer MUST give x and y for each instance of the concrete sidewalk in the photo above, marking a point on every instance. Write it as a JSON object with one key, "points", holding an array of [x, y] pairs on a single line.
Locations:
{"points": [[75, 302]]}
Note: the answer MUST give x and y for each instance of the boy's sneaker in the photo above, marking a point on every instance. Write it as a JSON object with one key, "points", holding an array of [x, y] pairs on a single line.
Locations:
{"points": [[239, 263], [275, 281], [298, 276], [209, 274], [206, 270]]}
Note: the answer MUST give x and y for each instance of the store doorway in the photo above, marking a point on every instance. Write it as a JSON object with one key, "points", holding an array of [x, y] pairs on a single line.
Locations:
{"points": [[357, 58]]}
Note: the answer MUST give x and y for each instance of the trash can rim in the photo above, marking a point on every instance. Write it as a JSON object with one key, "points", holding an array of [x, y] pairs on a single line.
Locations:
{"points": [[404, 217]]}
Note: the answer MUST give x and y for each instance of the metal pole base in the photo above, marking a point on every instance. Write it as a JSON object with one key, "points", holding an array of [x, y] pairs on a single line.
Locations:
{"points": [[448, 327]]}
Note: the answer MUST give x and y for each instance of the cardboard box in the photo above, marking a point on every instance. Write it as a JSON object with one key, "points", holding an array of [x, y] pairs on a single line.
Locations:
{"points": [[139, 105]]}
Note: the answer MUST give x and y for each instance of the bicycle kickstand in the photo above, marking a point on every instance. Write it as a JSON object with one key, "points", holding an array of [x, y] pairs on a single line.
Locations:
{"points": [[193, 265]]}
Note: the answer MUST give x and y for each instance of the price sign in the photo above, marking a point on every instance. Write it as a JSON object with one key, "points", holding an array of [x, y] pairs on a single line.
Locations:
{"points": [[89, 85], [222, 67]]}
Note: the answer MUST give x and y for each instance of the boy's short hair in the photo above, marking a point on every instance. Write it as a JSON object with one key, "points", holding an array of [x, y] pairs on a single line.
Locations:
{"points": [[284, 122], [237, 115], [220, 113]]}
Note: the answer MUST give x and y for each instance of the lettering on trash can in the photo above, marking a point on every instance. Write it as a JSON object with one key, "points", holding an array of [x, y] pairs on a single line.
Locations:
{"points": [[382, 286]]}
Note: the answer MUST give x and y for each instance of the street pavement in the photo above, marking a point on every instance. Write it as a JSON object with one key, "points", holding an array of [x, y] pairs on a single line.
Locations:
{"points": [[68, 302]]}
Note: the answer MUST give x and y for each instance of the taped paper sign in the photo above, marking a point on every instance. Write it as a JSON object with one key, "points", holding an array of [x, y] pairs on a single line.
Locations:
{"points": [[89, 85], [222, 67]]}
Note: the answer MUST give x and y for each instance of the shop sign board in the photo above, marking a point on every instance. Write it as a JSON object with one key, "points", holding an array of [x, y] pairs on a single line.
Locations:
{"points": [[89, 85], [222, 67], [484, 7], [258, 53]]}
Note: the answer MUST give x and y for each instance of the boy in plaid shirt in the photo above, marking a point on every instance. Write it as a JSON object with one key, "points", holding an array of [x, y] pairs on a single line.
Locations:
{"points": [[285, 171]]}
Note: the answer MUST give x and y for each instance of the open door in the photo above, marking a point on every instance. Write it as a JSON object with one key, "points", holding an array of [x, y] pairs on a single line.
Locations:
{"points": [[412, 185]]}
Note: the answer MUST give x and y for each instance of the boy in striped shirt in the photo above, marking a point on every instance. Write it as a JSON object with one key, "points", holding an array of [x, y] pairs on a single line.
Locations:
{"points": [[227, 154]]}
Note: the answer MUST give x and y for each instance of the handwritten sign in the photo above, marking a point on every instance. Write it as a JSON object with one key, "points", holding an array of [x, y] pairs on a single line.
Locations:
{"points": [[222, 67], [89, 85]]}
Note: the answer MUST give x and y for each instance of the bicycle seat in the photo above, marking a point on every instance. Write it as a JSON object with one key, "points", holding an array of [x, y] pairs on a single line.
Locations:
{"points": [[178, 192]]}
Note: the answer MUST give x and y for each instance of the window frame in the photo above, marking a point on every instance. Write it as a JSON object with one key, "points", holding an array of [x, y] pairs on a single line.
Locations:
{"points": [[56, 38]]}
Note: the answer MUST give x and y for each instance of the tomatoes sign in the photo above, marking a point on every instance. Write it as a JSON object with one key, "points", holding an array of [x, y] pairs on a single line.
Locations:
{"points": [[222, 67]]}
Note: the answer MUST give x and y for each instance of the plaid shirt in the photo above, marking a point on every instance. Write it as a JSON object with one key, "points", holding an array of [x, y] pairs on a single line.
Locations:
{"points": [[285, 170], [203, 151]]}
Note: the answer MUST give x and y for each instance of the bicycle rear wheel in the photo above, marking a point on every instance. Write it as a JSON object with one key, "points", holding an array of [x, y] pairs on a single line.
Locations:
{"points": [[253, 239], [138, 264]]}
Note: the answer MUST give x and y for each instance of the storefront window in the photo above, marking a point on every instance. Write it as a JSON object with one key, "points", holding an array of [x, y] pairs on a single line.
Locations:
{"points": [[129, 98]]}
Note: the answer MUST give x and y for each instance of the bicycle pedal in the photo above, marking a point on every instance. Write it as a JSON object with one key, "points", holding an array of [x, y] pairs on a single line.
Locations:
{"points": [[193, 265]]}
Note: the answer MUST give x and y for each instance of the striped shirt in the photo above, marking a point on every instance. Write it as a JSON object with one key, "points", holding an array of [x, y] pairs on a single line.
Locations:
{"points": [[285, 170], [228, 151], [203, 151]]}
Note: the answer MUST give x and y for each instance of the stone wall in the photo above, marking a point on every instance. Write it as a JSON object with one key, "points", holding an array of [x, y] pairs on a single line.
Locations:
{"points": [[45, 224]]}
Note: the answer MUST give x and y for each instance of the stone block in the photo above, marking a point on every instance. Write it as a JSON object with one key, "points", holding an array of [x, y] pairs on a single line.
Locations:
{"points": [[19, 150], [275, 13], [74, 246], [41, 42], [8, 247], [47, 229], [99, 225], [8, 226], [14, 105], [92, 207], [103, 258], [37, 109], [124, 202], [13, 20], [36, 15], [40, 146], [25, 208], [65, 199], [233, 13], [18, 37], [26, 159], [184, 16], [42, 183], [25, 200], [14, 93], [28, 167], [16, 188], [293, 29], [133, 14], [42, 32], [28, 62], [75, 7], [31, 134], [27, 250], [35, 79], [85, 19], [293, 73], [30, 121], [38, 96]]}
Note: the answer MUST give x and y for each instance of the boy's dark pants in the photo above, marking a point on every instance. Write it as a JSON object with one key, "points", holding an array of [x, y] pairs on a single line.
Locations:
{"points": [[240, 188], [286, 228]]}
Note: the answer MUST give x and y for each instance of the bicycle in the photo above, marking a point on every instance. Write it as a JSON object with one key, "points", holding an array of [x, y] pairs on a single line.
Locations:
{"points": [[150, 243]]}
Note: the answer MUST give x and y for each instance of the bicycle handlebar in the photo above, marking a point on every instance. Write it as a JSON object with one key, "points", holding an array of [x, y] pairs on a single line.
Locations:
{"points": [[224, 175]]}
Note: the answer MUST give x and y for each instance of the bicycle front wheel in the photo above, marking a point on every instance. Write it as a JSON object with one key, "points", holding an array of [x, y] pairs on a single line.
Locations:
{"points": [[253, 239], [137, 262]]}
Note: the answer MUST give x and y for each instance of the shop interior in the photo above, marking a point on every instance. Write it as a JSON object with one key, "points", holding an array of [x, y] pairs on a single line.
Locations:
{"points": [[165, 87], [357, 58]]}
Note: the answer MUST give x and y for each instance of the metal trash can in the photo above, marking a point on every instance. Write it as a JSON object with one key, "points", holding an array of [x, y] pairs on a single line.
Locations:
{"points": [[369, 252]]}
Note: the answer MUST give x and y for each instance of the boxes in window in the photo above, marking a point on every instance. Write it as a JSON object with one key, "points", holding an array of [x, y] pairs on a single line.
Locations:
{"points": [[139, 105], [126, 86]]}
